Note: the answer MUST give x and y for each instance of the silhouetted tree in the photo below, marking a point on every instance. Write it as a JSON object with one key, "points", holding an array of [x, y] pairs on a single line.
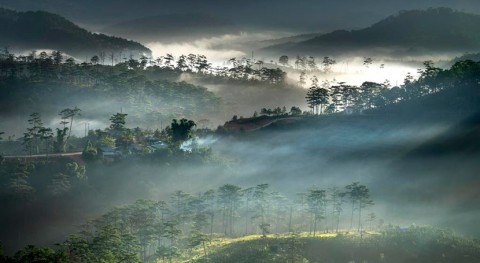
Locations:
{"points": [[229, 200], [68, 115], [283, 60], [316, 200], [327, 64], [118, 121], [182, 131]]}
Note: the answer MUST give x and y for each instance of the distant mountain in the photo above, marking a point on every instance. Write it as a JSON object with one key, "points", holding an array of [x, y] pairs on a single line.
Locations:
{"points": [[43, 30], [172, 27], [469, 56], [416, 31], [283, 40]]}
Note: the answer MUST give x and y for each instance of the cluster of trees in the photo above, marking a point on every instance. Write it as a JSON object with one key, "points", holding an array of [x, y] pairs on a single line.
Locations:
{"points": [[50, 65], [148, 229], [24, 181], [39, 138], [239, 69], [279, 111], [309, 63], [330, 98], [45, 79], [326, 98]]}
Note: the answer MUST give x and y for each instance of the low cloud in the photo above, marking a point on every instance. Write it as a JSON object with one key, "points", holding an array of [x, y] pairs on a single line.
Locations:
{"points": [[217, 49]]}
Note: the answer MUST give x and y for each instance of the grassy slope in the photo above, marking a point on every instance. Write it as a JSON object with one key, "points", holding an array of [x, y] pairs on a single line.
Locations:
{"points": [[415, 244]]}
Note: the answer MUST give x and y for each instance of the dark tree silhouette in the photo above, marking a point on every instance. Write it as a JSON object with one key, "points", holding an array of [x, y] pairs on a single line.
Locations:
{"points": [[182, 131]]}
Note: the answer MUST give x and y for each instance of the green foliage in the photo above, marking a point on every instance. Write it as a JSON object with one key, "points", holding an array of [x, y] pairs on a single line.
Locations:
{"points": [[147, 96], [61, 140], [24, 182], [413, 245], [118, 122], [182, 131], [111, 245], [89, 152], [106, 141], [37, 135], [67, 115], [316, 201], [317, 96], [183, 229], [34, 254], [15, 181]]}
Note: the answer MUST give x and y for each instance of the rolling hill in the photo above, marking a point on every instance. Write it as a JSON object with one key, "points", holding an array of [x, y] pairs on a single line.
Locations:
{"points": [[408, 32], [42, 30], [393, 244]]}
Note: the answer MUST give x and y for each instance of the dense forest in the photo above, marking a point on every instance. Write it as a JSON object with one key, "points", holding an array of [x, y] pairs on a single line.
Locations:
{"points": [[249, 224], [189, 223], [151, 229], [47, 82]]}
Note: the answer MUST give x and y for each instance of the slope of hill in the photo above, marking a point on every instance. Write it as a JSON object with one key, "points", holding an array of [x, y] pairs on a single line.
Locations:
{"points": [[283, 40], [100, 91], [43, 30], [173, 27], [415, 31], [395, 244]]}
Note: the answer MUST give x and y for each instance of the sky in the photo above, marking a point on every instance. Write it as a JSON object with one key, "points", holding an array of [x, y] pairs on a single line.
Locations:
{"points": [[286, 15]]}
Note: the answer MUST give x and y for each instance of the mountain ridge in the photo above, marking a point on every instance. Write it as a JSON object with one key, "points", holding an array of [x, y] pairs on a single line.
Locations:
{"points": [[430, 30], [43, 30]]}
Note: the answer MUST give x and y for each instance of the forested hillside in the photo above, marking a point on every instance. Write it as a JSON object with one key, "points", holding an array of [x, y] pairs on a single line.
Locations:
{"points": [[25, 31], [47, 83]]}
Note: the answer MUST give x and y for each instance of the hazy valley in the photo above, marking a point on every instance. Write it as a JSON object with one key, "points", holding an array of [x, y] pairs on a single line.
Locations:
{"points": [[200, 134]]}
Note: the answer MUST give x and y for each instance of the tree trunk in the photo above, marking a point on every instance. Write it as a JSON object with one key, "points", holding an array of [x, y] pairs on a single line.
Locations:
{"points": [[359, 215], [246, 218], [211, 225], [204, 250], [351, 218], [338, 222], [290, 220]]}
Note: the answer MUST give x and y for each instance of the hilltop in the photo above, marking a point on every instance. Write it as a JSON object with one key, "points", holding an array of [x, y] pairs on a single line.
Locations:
{"points": [[408, 32], [25, 31]]}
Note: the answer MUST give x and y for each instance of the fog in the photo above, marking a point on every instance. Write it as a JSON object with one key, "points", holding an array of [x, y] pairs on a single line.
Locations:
{"points": [[417, 154], [407, 185], [217, 49], [388, 64]]}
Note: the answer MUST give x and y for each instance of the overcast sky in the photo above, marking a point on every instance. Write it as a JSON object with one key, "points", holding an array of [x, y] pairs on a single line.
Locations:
{"points": [[284, 15]]}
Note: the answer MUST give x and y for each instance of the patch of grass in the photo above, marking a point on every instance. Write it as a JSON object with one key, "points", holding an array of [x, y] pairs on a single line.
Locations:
{"points": [[393, 245]]}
